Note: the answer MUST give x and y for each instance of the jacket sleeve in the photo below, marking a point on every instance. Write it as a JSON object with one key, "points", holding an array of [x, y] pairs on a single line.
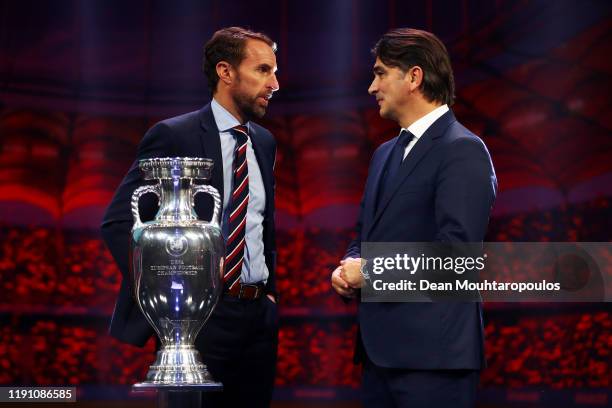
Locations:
{"points": [[128, 324], [354, 248], [465, 192], [270, 230], [118, 221]]}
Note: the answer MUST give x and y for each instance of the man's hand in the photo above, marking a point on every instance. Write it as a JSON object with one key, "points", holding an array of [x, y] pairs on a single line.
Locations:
{"points": [[271, 297], [340, 285], [351, 272]]}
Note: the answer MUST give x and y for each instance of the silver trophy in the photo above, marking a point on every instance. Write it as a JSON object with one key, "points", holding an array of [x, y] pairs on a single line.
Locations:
{"points": [[177, 266]]}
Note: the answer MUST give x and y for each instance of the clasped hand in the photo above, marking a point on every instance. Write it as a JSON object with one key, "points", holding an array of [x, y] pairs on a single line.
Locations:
{"points": [[347, 278]]}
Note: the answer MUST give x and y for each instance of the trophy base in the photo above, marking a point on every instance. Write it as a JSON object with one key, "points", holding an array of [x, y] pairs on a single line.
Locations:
{"points": [[178, 366], [149, 386]]}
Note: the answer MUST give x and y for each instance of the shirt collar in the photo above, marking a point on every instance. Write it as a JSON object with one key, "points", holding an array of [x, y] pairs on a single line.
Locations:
{"points": [[224, 120], [420, 126]]}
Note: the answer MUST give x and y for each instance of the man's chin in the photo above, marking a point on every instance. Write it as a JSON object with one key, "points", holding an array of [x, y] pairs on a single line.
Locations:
{"points": [[253, 112], [259, 112]]}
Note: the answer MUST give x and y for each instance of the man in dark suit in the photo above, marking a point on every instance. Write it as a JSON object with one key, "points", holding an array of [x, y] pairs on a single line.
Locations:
{"points": [[433, 183], [239, 341]]}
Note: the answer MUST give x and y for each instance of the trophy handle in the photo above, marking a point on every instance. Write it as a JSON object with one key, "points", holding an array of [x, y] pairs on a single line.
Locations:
{"points": [[205, 188], [136, 197]]}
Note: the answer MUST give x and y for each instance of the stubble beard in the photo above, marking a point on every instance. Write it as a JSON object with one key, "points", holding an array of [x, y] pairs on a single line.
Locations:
{"points": [[249, 108], [247, 105]]}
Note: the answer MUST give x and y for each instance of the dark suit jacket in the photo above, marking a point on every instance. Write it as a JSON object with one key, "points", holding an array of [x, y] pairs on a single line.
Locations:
{"points": [[443, 192], [194, 134]]}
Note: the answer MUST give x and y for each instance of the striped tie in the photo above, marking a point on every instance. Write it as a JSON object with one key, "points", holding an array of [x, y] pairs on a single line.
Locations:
{"points": [[239, 202]]}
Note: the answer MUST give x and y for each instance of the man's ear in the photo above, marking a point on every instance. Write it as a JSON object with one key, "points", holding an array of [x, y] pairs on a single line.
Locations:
{"points": [[414, 76], [224, 71]]}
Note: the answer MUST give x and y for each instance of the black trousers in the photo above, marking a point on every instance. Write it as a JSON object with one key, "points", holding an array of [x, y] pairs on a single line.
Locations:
{"points": [[399, 388], [239, 346]]}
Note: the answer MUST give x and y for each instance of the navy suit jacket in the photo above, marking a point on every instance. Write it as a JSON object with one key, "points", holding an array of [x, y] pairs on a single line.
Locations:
{"points": [[443, 192], [193, 134]]}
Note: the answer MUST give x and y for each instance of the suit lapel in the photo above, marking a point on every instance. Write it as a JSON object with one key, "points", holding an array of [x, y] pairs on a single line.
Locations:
{"points": [[211, 144], [418, 153], [264, 167]]}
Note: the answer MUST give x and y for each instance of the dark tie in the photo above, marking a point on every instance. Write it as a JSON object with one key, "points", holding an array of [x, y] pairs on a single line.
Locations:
{"points": [[393, 163], [239, 201]]}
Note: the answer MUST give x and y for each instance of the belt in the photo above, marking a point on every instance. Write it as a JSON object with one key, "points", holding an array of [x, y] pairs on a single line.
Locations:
{"points": [[250, 291]]}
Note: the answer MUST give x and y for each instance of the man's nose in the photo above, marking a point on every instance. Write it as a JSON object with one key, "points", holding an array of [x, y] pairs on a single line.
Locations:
{"points": [[273, 84], [373, 88]]}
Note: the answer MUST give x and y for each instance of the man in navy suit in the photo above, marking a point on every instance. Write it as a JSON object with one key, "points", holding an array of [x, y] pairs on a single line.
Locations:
{"points": [[239, 341], [433, 183]]}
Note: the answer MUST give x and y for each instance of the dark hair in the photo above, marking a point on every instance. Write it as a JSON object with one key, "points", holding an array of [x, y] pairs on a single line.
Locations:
{"points": [[228, 45], [405, 48]]}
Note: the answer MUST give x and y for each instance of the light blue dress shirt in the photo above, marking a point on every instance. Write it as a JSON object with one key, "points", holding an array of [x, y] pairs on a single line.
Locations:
{"points": [[254, 267]]}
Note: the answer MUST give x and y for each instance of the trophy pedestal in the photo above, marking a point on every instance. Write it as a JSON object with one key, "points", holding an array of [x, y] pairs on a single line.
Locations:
{"points": [[179, 377], [177, 366], [178, 396]]}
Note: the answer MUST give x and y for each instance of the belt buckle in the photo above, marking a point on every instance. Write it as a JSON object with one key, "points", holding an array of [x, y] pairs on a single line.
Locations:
{"points": [[248, 285]]}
